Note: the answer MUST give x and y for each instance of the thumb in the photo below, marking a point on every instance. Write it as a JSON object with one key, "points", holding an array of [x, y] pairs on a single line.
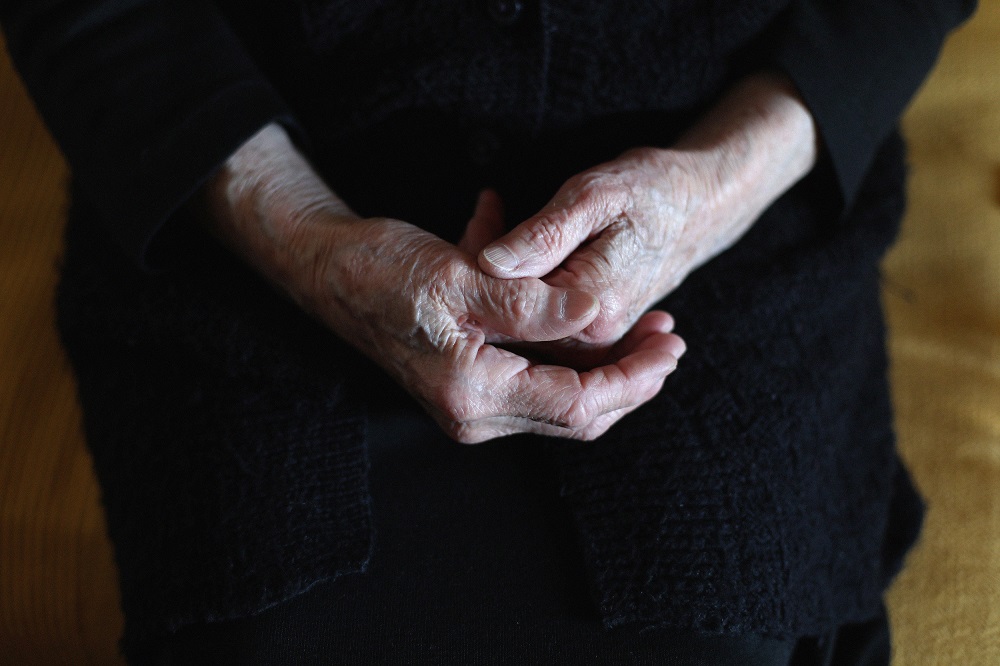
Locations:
{"points": [[528, 310], [541, 243], [486, 224]]}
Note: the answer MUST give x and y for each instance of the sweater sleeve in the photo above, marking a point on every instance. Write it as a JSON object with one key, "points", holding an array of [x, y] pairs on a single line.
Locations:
{"points": [[145, 99], [857, 64]]}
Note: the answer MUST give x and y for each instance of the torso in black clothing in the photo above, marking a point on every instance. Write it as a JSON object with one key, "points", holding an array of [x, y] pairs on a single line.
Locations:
{"points": [[214, 414]]}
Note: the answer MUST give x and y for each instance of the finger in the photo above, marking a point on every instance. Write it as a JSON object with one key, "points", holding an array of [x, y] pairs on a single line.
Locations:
{"points": [[527, 309], [603, 422], [538, 245], [615, 269], [505, 394], [489, 428], [486, 224], [471, 411], [653, 329], [579, 355], [659, 321], [493, 427], [670, 343], [565, 398]]}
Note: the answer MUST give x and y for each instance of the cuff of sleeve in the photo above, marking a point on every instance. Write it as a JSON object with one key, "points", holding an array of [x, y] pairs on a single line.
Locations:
{"points": [[171, 171], [853, 83]]}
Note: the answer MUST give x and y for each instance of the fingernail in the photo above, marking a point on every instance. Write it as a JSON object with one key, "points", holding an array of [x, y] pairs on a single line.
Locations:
{"points": [[576, 305], [501, 257]]}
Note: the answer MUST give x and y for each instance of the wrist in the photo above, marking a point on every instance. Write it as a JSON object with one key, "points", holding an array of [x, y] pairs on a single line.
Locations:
{"points": [[757, 142], [268, 205]]}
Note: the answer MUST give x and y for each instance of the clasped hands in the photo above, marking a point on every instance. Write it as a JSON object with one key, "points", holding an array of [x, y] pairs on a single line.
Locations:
{"points": [[467, 343], [462, 327]]}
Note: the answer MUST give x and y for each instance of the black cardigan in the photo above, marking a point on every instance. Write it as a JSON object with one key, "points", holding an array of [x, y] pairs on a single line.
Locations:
{"points": [[760, 495], [146, 98]]}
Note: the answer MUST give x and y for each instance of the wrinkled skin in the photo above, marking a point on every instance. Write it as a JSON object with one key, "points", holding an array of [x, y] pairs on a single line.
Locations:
{"points": [[433, 319], [609, 232], [465, 331], [423, 309], [629, 231]]}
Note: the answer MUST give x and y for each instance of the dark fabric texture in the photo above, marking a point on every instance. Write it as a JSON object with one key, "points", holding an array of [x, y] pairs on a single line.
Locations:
{"points": [[758, 493], [220, 432], [474, 562], [146, 97], [855, 87], [736, 460]]}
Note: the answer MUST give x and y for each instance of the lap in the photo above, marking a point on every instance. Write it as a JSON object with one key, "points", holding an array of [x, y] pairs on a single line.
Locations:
{"points": [[218, 379], [475, 562]]}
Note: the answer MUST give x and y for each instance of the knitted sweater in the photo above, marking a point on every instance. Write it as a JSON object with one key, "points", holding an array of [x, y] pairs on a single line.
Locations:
{"points": [[758, 492]]}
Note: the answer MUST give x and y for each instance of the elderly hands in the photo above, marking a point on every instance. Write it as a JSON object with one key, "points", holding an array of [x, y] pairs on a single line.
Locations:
{"points": [[424, 310], [629, 231], [577, 279]]}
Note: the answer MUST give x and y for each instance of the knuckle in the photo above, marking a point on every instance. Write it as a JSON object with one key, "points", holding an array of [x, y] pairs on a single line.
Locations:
{"points": [[521, 300], [515, 300], [607, 328], [577, 416], [548, 232], [601, 191], [645, 155], [455, 410], [445, 279], [452, 402]]}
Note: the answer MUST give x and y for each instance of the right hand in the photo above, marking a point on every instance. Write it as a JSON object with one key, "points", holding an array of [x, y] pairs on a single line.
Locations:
{"points": [[423, 309]]}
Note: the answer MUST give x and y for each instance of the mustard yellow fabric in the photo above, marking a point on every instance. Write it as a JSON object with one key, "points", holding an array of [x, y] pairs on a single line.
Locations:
{"points": [[942, 295], [58, 600], [58, 595]]}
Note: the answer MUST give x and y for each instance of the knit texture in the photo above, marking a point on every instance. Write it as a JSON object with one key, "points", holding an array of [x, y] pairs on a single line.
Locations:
{"points": [[560, 64], [756, 491], [233, 468], [759, 492]]}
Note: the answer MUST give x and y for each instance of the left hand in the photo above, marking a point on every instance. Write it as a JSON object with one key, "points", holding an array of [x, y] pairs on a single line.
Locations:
{"points": [[630, 230]]}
